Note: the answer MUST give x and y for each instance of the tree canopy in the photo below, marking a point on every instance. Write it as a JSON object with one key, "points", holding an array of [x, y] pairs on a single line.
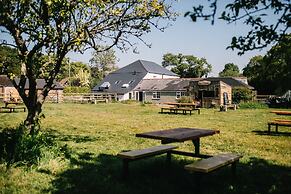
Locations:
{"points": [[9, 61], [230, 70], [271, 74], [54, 28], [269, 20], [187, 66], [102, 63]]}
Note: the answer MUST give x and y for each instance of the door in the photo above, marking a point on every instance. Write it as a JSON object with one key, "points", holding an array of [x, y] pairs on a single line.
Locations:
{"points": [[140, 96]]}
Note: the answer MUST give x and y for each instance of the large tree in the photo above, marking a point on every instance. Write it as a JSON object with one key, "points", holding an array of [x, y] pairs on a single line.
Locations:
{"points": [[56, 27], [269, 20], [102, 63], [271, 73], [187, 66], [230, 70]]}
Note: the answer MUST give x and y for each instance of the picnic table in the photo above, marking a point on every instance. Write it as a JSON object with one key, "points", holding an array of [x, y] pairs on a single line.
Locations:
{"points": [[181, 135], [279, 122], [278, 112], [7, 103], [12, 106], [191, 105]]}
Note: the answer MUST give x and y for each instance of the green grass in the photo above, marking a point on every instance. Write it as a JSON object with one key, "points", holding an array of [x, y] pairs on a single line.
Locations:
{"points": [[94, 134]]}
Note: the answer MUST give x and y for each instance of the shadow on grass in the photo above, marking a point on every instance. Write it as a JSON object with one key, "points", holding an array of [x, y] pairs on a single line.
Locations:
{"points": [[53, 133], [272, 133], [102, 174]]}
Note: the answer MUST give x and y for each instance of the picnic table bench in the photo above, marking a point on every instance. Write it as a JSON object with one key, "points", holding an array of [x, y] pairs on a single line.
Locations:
{"points": [[215, 162], [277, 123], [13, 108], [144, 153], [176, 110]]}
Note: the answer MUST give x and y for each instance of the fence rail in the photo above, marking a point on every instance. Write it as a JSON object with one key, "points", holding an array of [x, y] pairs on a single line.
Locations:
{"points": [[89, 97], [263, 98]]}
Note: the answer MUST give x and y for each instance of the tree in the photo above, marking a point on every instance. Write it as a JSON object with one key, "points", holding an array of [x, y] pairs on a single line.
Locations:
{"points": [[102, 64], [187, 66], [271, 73], [9, 60], [54, 28], [230, 70], [256, 14]]}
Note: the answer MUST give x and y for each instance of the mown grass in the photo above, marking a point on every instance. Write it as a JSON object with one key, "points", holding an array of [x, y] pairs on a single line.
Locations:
{"points": [[94, 134]]}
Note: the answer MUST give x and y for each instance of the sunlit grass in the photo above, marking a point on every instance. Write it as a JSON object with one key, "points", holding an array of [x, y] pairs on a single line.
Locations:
{"points": [[92, 131]]}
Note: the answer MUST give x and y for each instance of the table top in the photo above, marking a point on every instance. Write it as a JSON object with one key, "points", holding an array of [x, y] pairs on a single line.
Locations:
{"points": [[178, 134], [278, 112]]}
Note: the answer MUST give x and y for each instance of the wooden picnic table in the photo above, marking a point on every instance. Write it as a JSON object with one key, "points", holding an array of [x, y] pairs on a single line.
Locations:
{"points": [[278, 112], [7, 103], [192, 105], [181, 135]]}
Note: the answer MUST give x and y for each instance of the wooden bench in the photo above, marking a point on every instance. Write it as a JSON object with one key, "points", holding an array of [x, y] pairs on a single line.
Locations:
{"points": [[210, 164], [14, 108], [144, 153], [277, 123], [183, 110]]}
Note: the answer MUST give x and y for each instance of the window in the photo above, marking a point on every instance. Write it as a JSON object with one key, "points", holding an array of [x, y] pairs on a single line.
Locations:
{"points": [[117, 82], [179, 94], [156, 95], [131, 82]]}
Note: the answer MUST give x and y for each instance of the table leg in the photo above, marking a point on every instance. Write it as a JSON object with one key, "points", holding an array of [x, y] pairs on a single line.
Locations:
{"points": [[196, 143]]}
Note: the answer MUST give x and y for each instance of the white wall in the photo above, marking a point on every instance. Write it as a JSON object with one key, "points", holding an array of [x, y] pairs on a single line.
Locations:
{"points": [[158, 76]]}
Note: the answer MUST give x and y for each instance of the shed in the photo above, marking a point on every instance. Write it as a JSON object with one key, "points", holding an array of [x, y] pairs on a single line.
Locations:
{"points": [[210, 93], [9, 92]]}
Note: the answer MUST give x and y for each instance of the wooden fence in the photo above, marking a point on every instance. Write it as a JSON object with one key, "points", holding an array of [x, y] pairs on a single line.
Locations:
{"points": [[263, 98], [89, 97]]}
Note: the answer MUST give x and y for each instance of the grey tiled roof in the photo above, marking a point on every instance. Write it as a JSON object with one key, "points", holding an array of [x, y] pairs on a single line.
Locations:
{"points": [[164, 84], [230, 81], [145, 66], [5, 81], [116, 81], [131, 74]]}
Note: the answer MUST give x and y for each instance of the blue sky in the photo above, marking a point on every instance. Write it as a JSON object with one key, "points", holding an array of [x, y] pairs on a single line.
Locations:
{"points": [[200, 39]]}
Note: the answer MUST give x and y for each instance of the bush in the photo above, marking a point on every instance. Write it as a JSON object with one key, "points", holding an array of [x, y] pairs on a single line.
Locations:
{"points": [[185, 99], [16, 146], [253, 105], [241, 94], [75, 89]]}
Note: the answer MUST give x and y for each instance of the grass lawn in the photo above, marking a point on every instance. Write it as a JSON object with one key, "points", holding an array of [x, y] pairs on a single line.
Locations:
{"points": [[94, 134]]}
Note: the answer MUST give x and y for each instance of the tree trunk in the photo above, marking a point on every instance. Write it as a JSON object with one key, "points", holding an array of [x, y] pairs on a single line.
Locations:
{"points": [[32, 121]]}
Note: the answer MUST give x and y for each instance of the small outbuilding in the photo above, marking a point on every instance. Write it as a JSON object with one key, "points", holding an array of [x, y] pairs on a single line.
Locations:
{"points": [[9, 92], [210, 93]]}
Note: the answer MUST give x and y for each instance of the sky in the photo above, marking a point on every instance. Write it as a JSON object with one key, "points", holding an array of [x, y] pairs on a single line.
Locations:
{"points": [[200, 39]]}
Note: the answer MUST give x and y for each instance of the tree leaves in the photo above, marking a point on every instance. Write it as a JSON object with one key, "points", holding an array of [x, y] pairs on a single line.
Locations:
{"points": [[254, 13], [187, 66]]}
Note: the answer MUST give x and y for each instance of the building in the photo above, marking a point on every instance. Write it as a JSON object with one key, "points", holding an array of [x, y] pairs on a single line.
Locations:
{"points": [[9, 92], [210, 93], [163, 90], [125, 80]]}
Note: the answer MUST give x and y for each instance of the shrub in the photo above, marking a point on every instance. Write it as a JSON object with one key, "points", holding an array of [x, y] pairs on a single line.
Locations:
{"points": [[75, 89], [241, 94], [253, 105], [185, 99], [16, 146]]}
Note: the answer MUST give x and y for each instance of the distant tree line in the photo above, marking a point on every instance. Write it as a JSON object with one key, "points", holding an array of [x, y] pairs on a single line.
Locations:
{"points": [[73, 74], [271, 74]]}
